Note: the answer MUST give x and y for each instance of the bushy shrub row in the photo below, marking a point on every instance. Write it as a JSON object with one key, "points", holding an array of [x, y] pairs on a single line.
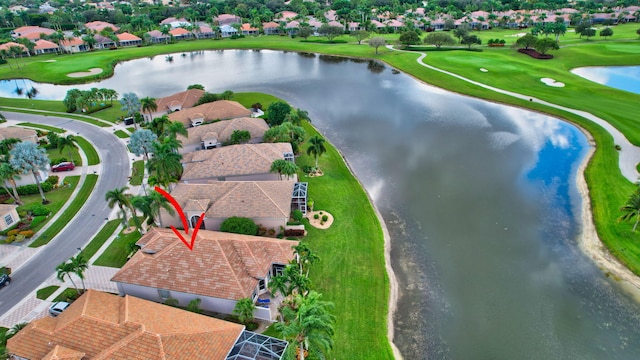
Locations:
{"points": [[496, 42], [30, 189], [239, 225]]}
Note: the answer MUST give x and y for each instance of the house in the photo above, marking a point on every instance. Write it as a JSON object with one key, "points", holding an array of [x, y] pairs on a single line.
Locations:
{"points": [[8, 216], [285, 16], [74, 45], [14, 132], [215, 134], [30, 32], [10, 44], [180, 34], [175, 23], [175, 102], [126, 39], [45, 47], [247, 29], [267, 203], [98, 26], [271, 28], [105, 326], [158, 37], [245, 162], [217, 110], [203, 32], [221, 269], [227, 31], [103, 42], [227, 19]]}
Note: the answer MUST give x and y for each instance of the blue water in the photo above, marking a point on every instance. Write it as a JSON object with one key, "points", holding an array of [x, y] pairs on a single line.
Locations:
{"points": [[620, 77]]}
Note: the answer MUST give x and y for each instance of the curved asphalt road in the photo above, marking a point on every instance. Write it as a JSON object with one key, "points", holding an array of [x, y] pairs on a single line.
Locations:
{"points": [[115, 170]]}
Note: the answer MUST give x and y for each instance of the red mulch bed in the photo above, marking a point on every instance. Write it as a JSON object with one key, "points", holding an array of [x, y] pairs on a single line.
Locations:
{"points": [[536, 55]]}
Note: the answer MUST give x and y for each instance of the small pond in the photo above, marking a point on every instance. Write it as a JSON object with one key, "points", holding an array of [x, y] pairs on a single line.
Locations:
{"points": [[625, 78]]}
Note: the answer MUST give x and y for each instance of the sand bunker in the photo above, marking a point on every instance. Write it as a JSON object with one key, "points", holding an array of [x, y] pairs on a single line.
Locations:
{"points": [[484, 70], [93, 71], [551, 82], [49, 61]]}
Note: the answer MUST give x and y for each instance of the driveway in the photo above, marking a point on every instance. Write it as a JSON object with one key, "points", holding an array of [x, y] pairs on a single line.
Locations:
{"points": [[115, 170]]}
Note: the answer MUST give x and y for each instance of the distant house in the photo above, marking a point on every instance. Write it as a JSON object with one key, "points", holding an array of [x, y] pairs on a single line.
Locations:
{"points": [[285, 16], [103, 42], [175, 23], [31, 32], [271, 28], [45, 47], [126, 39], [246, 162], [158, 37], [10, 44], [249, 30], [8, 216], [213, 135], [181, 34], [221, 269], [98, 26], [267, 203], [105, 326], [227, 19], [14, 132], [227, 31], [204, 32], [175, 102], [217, 110], [74, 45]]}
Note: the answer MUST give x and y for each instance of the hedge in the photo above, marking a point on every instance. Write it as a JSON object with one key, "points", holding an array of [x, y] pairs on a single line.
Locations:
{"points": [[30, 189]]}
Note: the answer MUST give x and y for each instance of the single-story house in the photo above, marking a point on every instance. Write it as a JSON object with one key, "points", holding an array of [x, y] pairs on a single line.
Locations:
{"points": [[14, 132], [105, 326], [216, 110], [204, 32], [157, 37], [103, 42], [175, 102], [220, 269], [245, 162], [30, 32], [285, 15], [181, 34], [45, 47], [98, 26], [267, 203], [227, 31], [126, 39], [8, 216], [10, 44], [74, 45], [212, 135], [227, 19], [248, 30], [175, 23], [271, 28]]}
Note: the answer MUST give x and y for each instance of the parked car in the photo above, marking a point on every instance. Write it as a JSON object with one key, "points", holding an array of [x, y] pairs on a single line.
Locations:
{"points": [[63, 166], [4, 280], [58, 307]]}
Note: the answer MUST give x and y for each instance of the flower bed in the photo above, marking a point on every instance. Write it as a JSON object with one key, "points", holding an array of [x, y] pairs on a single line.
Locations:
{"points": [[536, 55]]}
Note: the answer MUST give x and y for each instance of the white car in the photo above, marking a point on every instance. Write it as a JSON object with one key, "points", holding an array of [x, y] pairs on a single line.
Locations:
{"points": [[58, 307]]}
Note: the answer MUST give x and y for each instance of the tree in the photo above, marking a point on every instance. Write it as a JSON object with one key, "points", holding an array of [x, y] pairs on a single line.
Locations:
{"points": [[195, 86], [545, 44], [149, 105], [150, 206], [141, 142], [69, 142], [119, 197], [165, 165], [306, 257], [66, 269], [471, 40], [240, 137], [376, 42], [71, 99], [159, 124], [285, 167], [316, 147], [244, 310], [174, 128], [304, 32], [79, 265], [330, 31], [410, 38], [461, 31], [89, 40], [7, 144], [360, 35], [527, 41], [27, 157], [606, 32], [631, 210], [559, 28], [638, 31], [588, 32], [310, 328], [239, 225], [130, 104], [438, 39], [277, 112], [8, 174]]}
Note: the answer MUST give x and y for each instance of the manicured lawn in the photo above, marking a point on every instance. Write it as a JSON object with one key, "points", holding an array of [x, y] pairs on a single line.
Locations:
{"points": [[137, 172], [57, 154], [44, 293], [98, 240], [69, 294], [92, 155], [249, 98], [43, 127], [116, 254], [121, 134], [69, 213]]}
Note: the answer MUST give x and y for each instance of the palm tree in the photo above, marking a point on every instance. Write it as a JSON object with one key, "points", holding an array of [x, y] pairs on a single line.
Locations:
{"points": [[306, 257], [118, 197], [80, 265], [631, 209], [131, 105], [69, 142], [244, 310], [175, 128], [310, 328], [159, 125], [66, 269], [165, 164], [150, 206], [8, 174], [7, 144], [277, 166], [149, 105], [316, 147]]}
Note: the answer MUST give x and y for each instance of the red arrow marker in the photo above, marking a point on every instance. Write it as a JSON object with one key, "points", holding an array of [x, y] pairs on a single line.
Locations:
{"points": [[183, 218]]}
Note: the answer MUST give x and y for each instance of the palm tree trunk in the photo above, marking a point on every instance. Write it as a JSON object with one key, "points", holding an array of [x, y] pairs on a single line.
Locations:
{"points": [[4, 186], [316, 162], [36, 176], [74, 284], [636, 224]]}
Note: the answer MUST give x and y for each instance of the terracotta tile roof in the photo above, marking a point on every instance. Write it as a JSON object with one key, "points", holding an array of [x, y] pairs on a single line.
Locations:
{"points": [[179, 31], [72, 42], [234, 160], [224, 199], [45, 44], [16, 132], [32, 32], [9, 44], [104, 326], [217, 110], [270, 25], [100, 25], [247, 27], [157, 34], [224, 129], [184, 98], [221, 265], [128, 37]]}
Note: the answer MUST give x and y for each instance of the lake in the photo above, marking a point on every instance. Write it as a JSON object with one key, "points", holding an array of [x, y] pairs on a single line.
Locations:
{"points": [[479, 198], [620, 77]]}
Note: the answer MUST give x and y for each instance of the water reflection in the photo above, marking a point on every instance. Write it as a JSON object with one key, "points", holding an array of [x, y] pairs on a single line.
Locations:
{"points": [[479, 199], [620, 77]]}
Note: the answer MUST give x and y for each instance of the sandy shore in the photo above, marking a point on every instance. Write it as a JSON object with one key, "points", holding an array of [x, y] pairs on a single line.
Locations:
{"points": [[93, 71], [590, 242]]}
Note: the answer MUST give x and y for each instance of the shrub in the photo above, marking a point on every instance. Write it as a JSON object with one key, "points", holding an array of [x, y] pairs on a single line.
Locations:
{"points": [[294, 232], [13, 232], [53, 180], [325, 217], [37, 220], [271, 232], [297, 215], [26, 233], [57, 161], [307, 169], [618, 147], [5, 270], [19, 238], [39, 210], [171, 302], [239, 225], [316, 216], [10, 238], [33, 188], [194, 306], [240, 136]]}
